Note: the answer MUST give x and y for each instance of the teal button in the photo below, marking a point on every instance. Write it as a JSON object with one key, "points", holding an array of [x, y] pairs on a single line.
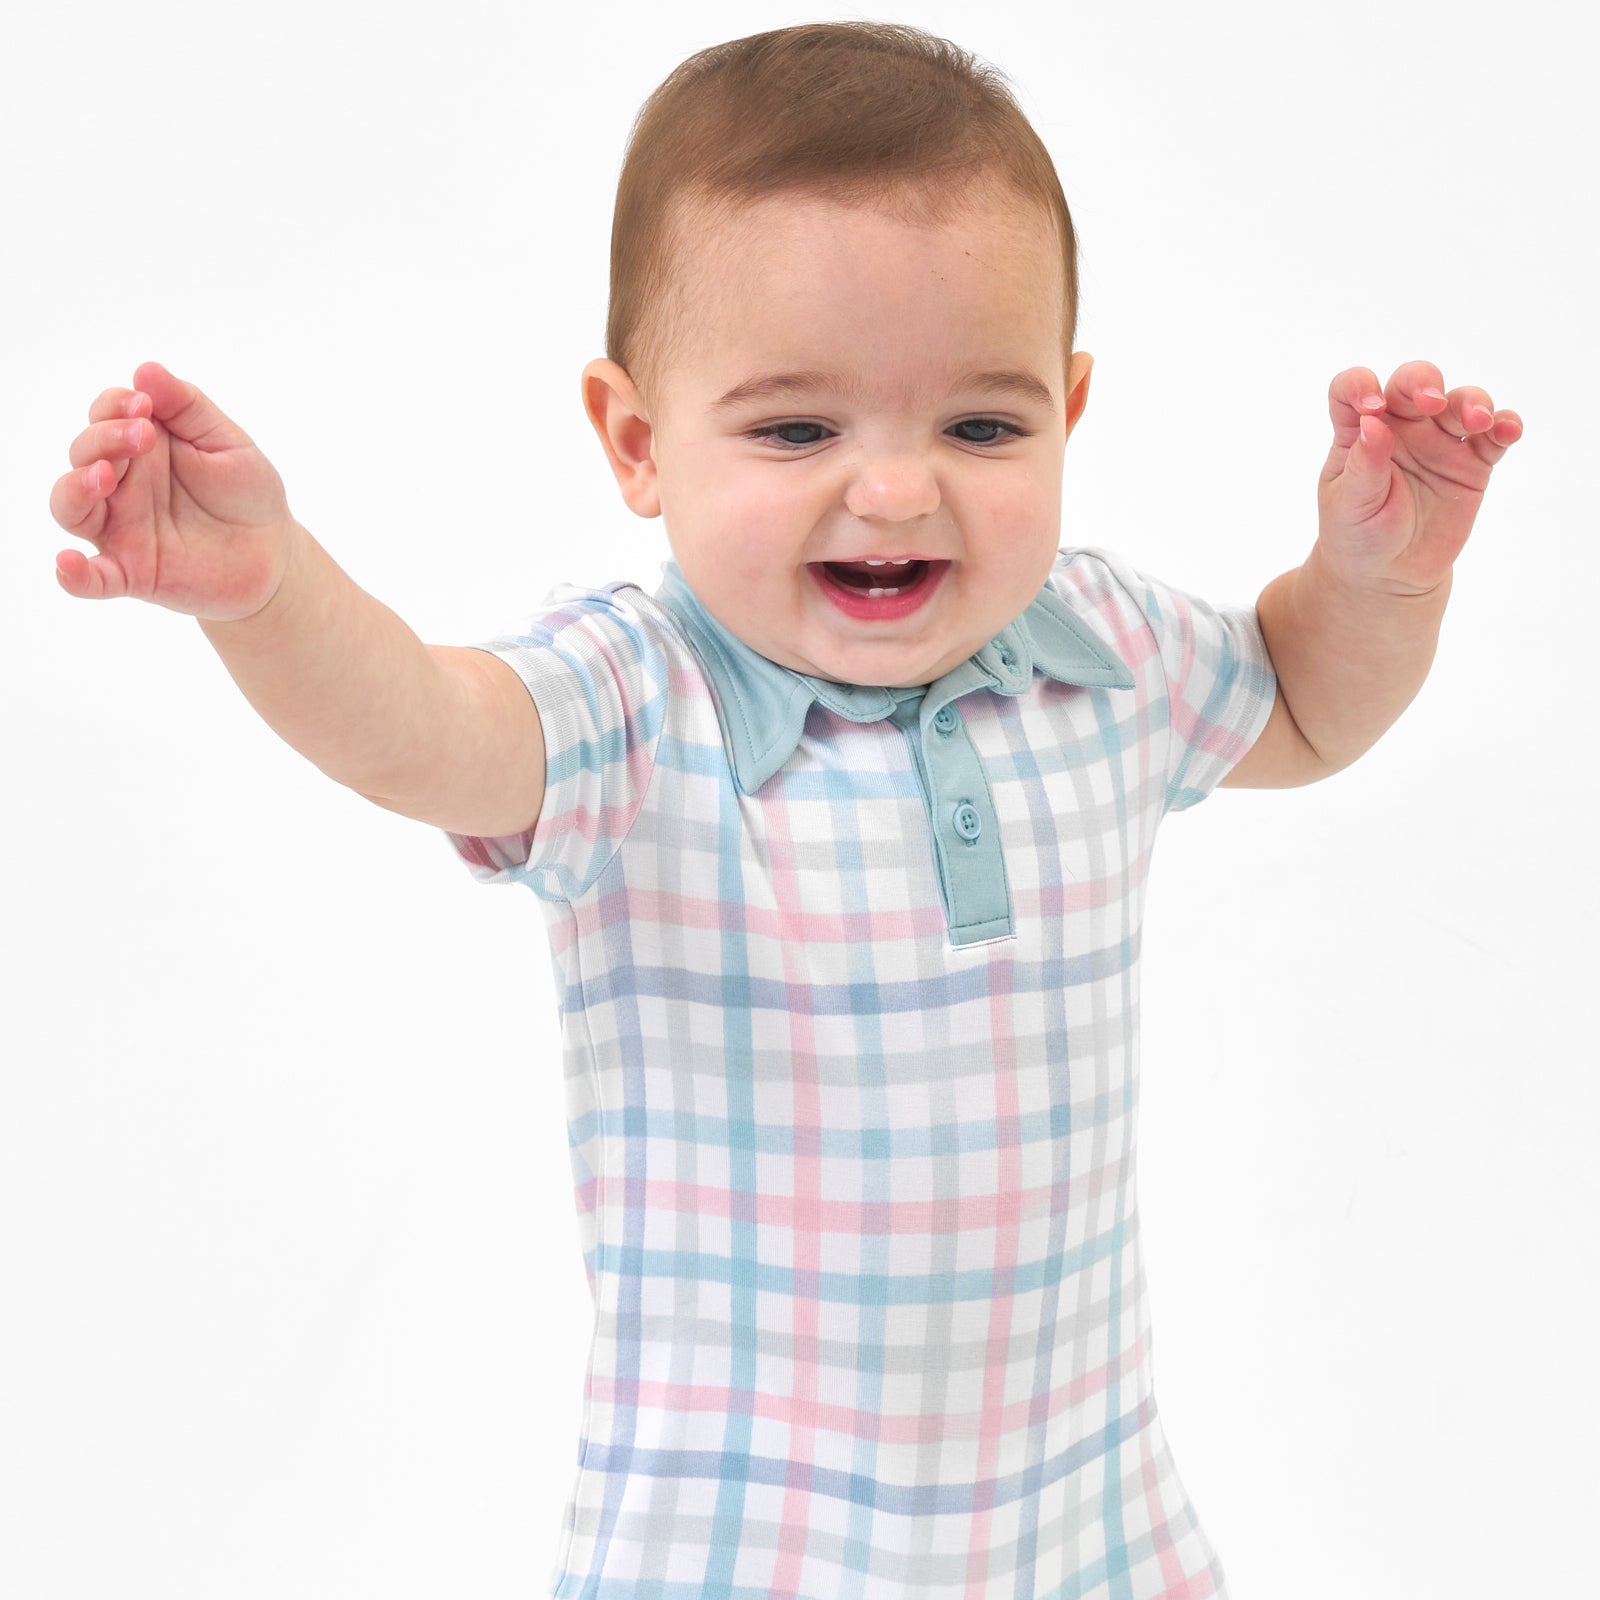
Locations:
{"points": [[944, 719], [967, 821]]}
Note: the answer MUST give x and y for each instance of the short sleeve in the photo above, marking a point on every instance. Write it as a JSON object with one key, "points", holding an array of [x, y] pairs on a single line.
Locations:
{"points": [[1219, 680], [594, 663]]}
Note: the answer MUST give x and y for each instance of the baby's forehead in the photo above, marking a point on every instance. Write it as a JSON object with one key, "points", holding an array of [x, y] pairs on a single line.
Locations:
{"points": [[705, 227], [730, 259], [715, 248]]}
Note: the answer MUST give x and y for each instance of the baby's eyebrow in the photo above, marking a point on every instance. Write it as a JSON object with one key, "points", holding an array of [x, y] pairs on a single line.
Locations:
{"points": [[777, 385]]}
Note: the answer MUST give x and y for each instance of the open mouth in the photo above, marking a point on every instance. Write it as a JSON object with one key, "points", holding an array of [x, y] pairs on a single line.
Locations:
{"points": [[877, 581], [878, 592]]}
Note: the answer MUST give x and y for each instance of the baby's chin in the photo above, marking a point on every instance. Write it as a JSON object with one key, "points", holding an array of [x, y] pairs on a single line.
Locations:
{"points": [[888, 664], [807, 636]]}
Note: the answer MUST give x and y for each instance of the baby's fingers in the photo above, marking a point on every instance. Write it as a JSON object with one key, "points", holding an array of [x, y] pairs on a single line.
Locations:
{"points": [[76, 499], [110, 441], [1354, 394], [101, 454], [90, 577], [119, 403], [77, 502]]}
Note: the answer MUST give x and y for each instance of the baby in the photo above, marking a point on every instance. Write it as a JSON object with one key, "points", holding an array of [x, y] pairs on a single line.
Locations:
{"points": [[841, 835]]}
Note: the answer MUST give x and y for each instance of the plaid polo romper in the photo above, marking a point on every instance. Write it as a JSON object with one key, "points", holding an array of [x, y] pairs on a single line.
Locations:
{"points": [[849, 993]]}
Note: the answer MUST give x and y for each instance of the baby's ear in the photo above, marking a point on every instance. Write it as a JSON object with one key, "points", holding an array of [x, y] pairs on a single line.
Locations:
{"points": [[617, 411], [1077, 387]]}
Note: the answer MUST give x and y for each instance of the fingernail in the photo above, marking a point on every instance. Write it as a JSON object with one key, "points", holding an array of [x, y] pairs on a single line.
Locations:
{"points": [[1373, 402], [1432, 394]]}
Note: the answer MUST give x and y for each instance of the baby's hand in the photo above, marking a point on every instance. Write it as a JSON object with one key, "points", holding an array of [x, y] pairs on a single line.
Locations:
{"points": [[1406, 475], [183, 508]]}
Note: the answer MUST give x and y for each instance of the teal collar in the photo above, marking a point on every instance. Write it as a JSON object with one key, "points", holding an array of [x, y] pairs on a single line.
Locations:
{"points": [[763, 706]]}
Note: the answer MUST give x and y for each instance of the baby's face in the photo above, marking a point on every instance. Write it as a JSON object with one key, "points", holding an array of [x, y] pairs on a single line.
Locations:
{"points": [[892, 445]]}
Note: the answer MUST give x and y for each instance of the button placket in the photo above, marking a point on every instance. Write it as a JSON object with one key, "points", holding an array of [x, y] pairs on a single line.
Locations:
{"points": [[966, 838]]}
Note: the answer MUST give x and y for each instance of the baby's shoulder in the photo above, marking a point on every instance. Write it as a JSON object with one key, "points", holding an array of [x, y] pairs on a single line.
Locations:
{"points": [[1096, 575], [620, 611]]}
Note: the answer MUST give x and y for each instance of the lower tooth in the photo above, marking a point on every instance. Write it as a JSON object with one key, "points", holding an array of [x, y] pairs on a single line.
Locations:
{"points": [[873, 594]]}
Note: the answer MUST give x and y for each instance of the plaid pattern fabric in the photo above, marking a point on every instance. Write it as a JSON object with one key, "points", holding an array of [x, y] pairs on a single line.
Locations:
{"points": [[857, 1205]]}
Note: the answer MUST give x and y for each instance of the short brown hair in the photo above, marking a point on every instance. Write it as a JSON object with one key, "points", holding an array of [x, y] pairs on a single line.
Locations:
{"points": [[870, 113]]}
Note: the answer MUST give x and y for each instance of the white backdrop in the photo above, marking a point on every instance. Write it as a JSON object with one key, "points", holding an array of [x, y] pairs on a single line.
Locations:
{"points": [[293, 1303]]}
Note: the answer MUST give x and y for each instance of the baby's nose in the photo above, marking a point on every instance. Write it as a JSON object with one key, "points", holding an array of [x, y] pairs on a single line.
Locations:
{"points": [[892, 485]]}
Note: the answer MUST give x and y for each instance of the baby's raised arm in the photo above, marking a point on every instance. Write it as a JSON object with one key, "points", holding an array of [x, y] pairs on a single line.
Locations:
{"points": [[187, 513]]}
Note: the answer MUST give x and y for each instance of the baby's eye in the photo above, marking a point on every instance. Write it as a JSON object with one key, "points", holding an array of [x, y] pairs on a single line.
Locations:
{"points": [[773, 429], [991, 422], [994, 432]]}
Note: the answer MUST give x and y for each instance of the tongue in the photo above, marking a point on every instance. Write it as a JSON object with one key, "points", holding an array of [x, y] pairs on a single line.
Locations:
{"points": [[860, 576]]}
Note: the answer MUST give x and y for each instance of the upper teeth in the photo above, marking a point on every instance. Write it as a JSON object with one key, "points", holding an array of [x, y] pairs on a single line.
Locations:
{"points": [[871, 563]]}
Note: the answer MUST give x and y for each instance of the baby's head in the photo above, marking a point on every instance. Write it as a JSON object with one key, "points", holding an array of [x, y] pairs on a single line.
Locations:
{"points": [[865, 205]]}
